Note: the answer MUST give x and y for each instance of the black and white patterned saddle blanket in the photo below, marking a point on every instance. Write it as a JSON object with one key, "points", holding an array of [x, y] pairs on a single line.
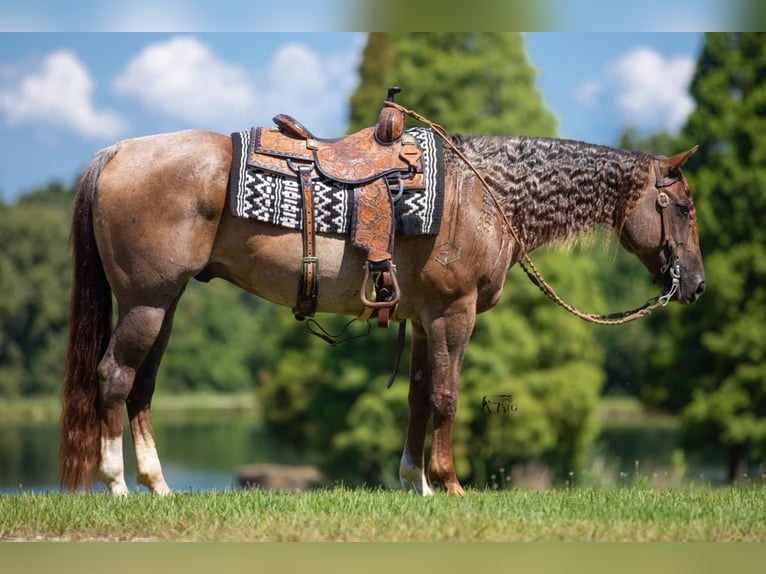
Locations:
{"points": [[276, 199]]}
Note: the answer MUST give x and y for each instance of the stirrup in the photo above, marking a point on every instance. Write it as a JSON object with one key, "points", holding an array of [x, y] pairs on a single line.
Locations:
{"points": [[385, 288], [382, 299]]}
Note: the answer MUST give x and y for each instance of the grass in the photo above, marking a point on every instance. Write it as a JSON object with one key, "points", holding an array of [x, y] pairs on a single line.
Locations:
{"points": [[621, 514]]}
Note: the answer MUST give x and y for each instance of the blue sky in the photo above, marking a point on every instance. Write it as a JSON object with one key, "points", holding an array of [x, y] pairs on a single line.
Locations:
{"points": [[63, 96]]}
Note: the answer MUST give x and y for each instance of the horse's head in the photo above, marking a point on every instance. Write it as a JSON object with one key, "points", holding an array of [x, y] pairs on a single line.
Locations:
{"points": [[661, 230]]}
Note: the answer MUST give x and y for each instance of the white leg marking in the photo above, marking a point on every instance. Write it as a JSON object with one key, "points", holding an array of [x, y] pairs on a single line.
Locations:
{"points": [[411, 475], [148, 465], [111, 471]]}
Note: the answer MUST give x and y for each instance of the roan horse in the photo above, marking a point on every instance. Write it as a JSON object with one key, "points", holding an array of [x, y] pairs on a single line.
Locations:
{"points": [[151, 214]]}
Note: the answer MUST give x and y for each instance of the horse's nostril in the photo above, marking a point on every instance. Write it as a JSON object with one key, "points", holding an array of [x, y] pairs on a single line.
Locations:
{"points": [[700, 288]]}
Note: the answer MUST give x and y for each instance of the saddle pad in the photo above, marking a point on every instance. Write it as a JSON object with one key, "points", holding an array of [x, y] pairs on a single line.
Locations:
{"points": [[276, 199]]}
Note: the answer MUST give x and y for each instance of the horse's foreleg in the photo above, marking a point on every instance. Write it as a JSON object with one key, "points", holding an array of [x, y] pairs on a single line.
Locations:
{"points": [[148, 467], [134, 337], [448, 339], [411, 469]]}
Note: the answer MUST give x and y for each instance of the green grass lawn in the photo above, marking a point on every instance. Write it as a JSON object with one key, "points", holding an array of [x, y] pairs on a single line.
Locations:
{"points": [[621, 514]]}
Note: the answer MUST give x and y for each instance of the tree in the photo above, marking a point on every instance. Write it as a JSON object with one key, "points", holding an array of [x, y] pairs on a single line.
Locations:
{"points": [[709, 363], [334, 400], [377, 60], [34, 291], [477, 82], [218, 341]]}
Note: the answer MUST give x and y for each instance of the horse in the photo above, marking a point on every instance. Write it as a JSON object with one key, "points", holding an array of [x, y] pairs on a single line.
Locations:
{"points": [[150, 215]]}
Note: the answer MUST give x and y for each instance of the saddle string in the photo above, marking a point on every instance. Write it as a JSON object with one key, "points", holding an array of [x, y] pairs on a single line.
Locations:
{"points": [[526, 263], [335, 339]]}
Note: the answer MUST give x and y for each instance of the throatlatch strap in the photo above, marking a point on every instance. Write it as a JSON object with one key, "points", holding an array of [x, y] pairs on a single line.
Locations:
{"points": [[308, 285]]}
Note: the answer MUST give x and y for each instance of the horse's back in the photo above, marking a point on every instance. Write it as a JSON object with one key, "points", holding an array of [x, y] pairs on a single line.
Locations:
{"points": [[158, 205]]}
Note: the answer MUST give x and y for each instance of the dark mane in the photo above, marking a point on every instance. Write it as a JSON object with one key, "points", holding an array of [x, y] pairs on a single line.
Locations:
{"points": [[557, 189]]}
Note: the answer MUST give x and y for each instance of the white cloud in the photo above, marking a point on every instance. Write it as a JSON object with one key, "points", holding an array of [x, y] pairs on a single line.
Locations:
{"points": [[588, 93], [300, 82], [649, 90], [58, 92], [182, 78]]}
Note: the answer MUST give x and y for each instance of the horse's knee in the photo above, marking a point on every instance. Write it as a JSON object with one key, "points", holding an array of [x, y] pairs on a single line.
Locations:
{"points": [[443, 405]]}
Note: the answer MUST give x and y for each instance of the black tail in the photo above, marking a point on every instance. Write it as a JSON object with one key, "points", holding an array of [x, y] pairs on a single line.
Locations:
{"points": [[90, 326]]}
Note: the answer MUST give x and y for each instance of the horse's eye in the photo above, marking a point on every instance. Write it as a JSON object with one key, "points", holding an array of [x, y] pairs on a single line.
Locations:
{"points": [[683, 210]]}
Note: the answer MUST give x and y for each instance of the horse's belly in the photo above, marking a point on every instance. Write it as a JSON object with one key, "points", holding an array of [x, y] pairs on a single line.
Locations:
{"points": [[267, 260]]}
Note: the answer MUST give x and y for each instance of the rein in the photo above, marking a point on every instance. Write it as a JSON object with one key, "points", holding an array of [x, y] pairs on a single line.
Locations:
{"points": [[531, 270]]}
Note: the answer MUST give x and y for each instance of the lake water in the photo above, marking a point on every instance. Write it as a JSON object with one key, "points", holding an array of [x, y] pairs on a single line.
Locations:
{"points": [[203, 454], [196, 455]]}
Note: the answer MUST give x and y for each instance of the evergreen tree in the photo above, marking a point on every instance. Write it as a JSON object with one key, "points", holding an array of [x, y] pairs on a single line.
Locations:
{"points": [[471, 82], [710, 362], [377, 60]]}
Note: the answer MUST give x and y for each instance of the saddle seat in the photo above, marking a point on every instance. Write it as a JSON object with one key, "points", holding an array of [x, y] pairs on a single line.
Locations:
{"points": [[372, 161], [354, 159]]}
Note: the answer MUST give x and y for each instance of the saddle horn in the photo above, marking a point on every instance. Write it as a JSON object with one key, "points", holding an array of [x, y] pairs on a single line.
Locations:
{"points": [[390, 122]]}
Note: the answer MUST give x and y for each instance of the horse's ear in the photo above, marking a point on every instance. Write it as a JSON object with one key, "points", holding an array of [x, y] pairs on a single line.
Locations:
{"points": [[676, 161]]}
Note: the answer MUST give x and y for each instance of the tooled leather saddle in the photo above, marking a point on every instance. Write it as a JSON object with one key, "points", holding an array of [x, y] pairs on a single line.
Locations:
{"points": [[379, 162]]}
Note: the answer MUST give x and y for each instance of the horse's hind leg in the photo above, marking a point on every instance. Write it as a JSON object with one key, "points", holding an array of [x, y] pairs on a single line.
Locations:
{"points": [[134, 337], [149, 470], [411, 468]]}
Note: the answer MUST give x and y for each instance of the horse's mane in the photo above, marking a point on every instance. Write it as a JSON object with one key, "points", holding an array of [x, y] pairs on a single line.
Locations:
{"points": [[557, 189]]}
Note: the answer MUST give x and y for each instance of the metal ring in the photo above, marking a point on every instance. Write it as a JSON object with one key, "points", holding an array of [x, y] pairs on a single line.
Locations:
{"points": [[401, 191]]}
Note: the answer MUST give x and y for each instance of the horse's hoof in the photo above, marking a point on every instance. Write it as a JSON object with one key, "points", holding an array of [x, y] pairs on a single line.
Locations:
{"points": [[455, 489], [118, 489]]}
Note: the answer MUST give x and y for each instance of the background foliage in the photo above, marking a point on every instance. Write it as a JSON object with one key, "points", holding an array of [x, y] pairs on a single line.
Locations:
{"points": [[705, 363]]}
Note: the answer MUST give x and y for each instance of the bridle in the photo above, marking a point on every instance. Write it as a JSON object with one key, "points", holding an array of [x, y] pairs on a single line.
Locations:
{"points": [[672, 264]]}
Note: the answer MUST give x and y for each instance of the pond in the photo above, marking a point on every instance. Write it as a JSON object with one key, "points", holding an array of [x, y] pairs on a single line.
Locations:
{"points": [[196, 454], [204, 453]]}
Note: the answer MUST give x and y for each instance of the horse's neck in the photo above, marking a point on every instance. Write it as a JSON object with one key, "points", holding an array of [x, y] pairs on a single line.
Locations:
{"points": [[554, 189]]}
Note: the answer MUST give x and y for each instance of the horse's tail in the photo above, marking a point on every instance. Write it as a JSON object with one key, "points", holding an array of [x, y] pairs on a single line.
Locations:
{"points": [[90, 325]]}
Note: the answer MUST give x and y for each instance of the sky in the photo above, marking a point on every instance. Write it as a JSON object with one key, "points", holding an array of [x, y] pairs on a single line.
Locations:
{"points": [[64, 96]]}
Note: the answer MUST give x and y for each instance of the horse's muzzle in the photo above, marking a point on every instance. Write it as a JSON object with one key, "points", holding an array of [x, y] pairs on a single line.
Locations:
{"points": [[698, 291], [691, 296]]}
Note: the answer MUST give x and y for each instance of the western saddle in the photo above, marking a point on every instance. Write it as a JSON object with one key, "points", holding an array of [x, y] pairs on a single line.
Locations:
{"points": [[373, 161]]}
